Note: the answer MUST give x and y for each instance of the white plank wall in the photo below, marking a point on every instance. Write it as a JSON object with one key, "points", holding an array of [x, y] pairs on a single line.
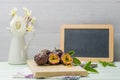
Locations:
{"points": [[52, 14]]}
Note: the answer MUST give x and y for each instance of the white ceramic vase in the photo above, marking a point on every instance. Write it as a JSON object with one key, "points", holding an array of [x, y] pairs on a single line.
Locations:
{"points": [[18, 50]]}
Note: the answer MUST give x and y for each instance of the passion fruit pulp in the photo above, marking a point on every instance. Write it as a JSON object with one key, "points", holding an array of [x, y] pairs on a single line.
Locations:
{"points": [[54, 58], [66, 59]]}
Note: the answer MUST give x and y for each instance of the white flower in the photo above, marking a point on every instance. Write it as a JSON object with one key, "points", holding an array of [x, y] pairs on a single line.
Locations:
{"points": [[18, 24], [21, 24], [30, 28], [27, 12], [33, 20], [13, 12]]}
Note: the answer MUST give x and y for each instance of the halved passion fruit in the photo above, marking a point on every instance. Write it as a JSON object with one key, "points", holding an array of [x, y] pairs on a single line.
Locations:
{"points": [[54, 58], [67, 59]]}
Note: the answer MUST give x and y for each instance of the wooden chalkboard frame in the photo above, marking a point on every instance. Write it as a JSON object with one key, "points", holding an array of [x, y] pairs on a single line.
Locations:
{"points": [[93, 26]]}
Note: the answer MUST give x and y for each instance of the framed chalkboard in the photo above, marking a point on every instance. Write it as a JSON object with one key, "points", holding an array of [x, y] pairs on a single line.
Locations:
{"points": [[90, 42]]}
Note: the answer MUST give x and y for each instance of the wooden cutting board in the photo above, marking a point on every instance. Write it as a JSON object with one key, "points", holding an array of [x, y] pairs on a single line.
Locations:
{"points": [[55, 70]]}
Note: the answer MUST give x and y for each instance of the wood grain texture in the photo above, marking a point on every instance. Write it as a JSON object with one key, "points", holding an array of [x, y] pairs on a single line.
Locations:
{"points": [[105, 73], [55, 70]]}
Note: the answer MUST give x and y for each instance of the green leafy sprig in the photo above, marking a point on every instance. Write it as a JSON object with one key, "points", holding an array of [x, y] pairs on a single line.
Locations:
{"points": [[88, 67], [71, 52], [105, 64], [76, 61]]}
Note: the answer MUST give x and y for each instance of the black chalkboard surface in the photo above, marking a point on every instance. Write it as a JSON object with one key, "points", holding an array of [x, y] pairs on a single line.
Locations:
{"points": [[88, 41]]}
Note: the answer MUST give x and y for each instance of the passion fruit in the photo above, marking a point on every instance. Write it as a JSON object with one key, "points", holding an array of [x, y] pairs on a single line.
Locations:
{"points": [[54, 59], [66, 59], [46, 51], [41, 58], [58, 52]]}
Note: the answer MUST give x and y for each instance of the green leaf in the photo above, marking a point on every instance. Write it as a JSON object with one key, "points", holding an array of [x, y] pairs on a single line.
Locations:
{"points": [[104, 64], [71, 52], [91, 70], [87, 65], [76, 61], [111, 64], [88, 68]]}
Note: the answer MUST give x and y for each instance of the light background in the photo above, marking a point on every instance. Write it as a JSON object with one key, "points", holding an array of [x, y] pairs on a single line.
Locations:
{"points": [[52, 14]]}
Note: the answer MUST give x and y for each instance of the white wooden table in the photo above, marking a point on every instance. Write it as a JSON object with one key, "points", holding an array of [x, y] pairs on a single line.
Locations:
{"points": [[105, 73]]}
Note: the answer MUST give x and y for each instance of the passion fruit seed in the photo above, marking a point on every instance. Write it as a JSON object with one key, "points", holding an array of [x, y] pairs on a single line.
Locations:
{"points": [[54, 58], [67, 59]]}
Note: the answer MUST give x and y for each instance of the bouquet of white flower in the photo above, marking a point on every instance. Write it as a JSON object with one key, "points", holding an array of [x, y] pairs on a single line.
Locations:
{"points": [[22, 23]]}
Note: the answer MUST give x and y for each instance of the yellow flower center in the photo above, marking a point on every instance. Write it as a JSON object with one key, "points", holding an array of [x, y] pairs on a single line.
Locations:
{"points": [[18, 25]]}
